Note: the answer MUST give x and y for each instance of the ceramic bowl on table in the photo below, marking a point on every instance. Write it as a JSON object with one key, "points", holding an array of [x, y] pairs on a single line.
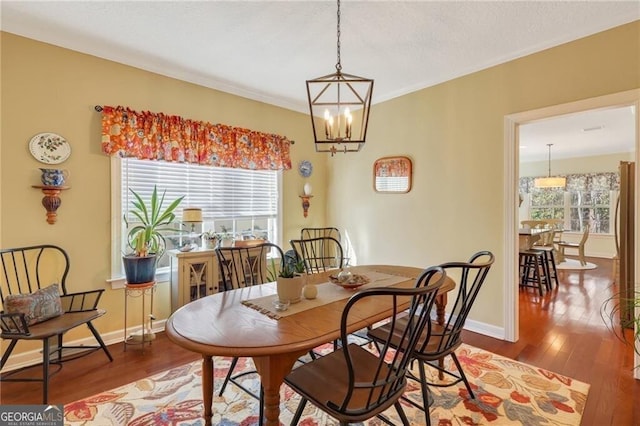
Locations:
{"points": [[351, 281]]}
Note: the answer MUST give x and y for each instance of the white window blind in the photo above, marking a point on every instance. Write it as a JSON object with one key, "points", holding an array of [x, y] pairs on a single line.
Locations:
{"points": [[222, 193], [242, 202]]}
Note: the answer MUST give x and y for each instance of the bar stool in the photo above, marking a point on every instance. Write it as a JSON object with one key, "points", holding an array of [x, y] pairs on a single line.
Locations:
{"points": [[534, 270], [546, 244], [550, 260]]}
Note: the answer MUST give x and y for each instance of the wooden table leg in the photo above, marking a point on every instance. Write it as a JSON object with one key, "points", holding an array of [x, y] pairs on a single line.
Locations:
{"points": [[441, 304], [207, 387], [272, 370]]}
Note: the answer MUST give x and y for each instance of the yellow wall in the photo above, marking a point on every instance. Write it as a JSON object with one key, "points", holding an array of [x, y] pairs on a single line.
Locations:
{"points": [[454, 133], [50, 89]]}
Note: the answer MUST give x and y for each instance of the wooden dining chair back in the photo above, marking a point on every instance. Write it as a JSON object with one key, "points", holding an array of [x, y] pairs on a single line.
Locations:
{"points": [[533, 223], [319, 254], [562, 245], [308, 233], [446, 338], [247, 266], [359, 384], [37, 306]]}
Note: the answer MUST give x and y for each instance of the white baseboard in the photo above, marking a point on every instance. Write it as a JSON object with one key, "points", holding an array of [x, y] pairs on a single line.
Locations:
{"points": [[485, 329], [26, 359]]}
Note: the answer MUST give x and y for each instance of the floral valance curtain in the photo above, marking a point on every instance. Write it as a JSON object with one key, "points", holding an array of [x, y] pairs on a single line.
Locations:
{"points": [[606, 181], [156, 136]]}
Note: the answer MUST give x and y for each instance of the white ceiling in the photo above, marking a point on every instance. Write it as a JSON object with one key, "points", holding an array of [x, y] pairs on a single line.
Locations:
{"points": [[265, 50], [584, 134]]}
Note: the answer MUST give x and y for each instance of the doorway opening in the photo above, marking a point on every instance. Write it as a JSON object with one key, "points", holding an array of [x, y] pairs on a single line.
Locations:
{"points": [[512, 172]]}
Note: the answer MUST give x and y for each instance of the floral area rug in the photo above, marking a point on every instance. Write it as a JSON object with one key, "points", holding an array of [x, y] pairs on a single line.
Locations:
{"points": [[507, 392]]}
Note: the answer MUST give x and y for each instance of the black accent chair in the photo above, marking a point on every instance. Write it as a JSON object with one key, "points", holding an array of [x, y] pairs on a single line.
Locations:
{"points": [[444, 339], [26, 270], [243, 267], [359, 384]]}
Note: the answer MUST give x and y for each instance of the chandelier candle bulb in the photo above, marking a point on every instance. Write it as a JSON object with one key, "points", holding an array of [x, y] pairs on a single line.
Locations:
{"points": [[327, 116], [349, 118], [330, 127]]}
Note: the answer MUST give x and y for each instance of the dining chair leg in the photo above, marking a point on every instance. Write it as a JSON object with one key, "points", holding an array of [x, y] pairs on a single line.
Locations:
{"points": [[298, 413], [7, 353], [462, 375], [261, 403], [234, 361], [45, 370], [59, 349], [425, 388], [426, 393], [401, 413], [98, 338]]}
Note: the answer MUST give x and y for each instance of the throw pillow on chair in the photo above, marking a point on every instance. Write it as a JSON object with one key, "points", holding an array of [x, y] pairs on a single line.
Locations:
{"points": [[37, 307]]}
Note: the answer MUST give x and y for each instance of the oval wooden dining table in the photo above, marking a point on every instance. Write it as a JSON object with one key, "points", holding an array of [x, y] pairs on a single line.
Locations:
{"points": [[221, 325]]}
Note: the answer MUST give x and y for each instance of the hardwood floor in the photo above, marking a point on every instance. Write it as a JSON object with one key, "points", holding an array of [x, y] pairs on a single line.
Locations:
{"points": [[561, 331]]}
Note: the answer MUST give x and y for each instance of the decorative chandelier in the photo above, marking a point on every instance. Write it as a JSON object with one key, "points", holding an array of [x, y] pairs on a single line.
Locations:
{"points": [[550, 182], [339, 105]]}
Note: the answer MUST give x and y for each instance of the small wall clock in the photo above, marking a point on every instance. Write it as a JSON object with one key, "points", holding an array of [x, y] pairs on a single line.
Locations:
{"points": [[305, 168]]}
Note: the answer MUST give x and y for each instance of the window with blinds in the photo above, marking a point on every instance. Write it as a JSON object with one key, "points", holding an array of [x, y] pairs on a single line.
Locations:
{"points": [[244, 203]]}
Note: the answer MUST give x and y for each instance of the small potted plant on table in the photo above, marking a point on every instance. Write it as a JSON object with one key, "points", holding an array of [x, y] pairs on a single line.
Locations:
{"points": [[291, 278]]}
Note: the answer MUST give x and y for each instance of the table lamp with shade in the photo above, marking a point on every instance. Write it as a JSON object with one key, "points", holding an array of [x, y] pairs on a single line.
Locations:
{"points": [[192, 216]]}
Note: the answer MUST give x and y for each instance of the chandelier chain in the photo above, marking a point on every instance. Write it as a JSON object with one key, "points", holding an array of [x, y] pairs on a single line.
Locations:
{"points": [[338, 64]]}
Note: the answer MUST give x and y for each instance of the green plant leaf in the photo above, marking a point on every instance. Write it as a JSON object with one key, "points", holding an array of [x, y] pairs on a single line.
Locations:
{"points": [[147, 236]]}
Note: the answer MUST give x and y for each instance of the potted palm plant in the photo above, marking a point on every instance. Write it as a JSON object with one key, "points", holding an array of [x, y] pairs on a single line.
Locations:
{"points": [[145, 237]]}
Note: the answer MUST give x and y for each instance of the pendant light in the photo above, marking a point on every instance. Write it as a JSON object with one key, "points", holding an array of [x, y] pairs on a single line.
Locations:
{"points": [[550, 182], [339, 105]]}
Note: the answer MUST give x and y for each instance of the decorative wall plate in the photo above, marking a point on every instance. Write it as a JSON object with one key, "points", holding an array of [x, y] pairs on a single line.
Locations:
{"points": [[49, 148], [305, 168]]}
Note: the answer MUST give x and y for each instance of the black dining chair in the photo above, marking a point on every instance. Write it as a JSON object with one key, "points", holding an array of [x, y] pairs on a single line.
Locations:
{"points": [[319, 254], [446, 338], [243, 267], [354, 384], [308, 233]]}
